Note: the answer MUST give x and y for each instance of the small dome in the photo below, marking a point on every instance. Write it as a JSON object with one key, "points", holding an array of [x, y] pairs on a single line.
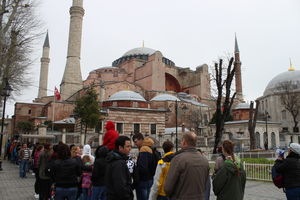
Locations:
{"points": [[293, 76], [165, 97], [242, 105], [126, 95], [140, 51]]}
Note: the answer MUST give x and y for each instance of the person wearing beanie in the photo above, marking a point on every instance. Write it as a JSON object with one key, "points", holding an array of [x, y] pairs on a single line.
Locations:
{"points": [[290, 169], [110, 136], [87, 152]]}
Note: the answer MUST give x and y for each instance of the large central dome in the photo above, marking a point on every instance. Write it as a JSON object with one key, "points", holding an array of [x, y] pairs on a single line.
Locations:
{"points": [[289, 76], [140, 51]]}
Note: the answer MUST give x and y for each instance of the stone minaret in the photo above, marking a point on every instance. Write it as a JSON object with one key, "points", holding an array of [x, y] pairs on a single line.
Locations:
{"points": [[45, 60], [72, 79], [238, 73]]}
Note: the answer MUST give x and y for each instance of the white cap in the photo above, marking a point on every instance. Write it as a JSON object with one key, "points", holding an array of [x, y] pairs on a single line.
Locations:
{"points": [[295, 148]]}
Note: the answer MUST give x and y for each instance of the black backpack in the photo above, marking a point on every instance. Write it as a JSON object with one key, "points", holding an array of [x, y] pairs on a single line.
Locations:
{"points": [[277, 178], [156, 156]]}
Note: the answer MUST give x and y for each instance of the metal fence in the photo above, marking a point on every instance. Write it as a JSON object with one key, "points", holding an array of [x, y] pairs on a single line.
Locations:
{"points": [[254, 171], [261, 172]]}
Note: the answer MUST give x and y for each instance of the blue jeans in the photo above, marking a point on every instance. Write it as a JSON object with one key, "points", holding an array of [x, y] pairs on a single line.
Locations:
{"points": [[62, 193], [23, 168], [143, 190], [85, 194], [293, 193], [99, 193]]}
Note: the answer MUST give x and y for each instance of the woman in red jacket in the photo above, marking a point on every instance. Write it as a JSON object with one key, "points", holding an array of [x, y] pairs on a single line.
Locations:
{"points": [[110, 136]]}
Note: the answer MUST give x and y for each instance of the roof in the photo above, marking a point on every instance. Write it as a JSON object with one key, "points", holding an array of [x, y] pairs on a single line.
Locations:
{"points": [[165, 97], [293, 76], [173, 130], [242, 105], [46, 43], [187, 98], [140, 51], [126, 95], [70, 120]]}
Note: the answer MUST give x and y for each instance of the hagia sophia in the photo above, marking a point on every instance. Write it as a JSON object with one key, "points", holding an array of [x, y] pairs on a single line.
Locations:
{"points": [[140, 92]]}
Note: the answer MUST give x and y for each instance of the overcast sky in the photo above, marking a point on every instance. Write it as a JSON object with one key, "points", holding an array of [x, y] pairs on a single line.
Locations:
{"points": [[190, 33]]}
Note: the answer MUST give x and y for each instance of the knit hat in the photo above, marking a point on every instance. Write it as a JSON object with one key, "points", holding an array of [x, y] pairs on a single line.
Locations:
{"points": [[295, 148]]}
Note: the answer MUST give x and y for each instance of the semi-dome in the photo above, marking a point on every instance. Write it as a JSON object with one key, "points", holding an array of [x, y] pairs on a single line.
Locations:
{"points": [[126, 95], [140, 51], [242, 105], [165, 97], [289, 76]]}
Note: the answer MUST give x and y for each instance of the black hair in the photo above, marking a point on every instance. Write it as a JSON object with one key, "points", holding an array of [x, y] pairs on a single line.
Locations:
{"points": [[63, 152], [167, 146], [138, 136], [120, 141]]}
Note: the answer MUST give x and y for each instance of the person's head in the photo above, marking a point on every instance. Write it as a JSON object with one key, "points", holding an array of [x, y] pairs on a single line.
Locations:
{"points": [[86, 159], [123, 144], [167, 146], [189, 139], [86, 150], [101, 151], [138, 139], [294, 148], [228, 147], [24, 145], [39, 148], [110, 125], [75, 151], [47, 147], [63, 152]]}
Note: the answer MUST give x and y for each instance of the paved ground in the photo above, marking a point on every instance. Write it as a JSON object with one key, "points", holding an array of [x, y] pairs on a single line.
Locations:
{"points": [[14, 188]]}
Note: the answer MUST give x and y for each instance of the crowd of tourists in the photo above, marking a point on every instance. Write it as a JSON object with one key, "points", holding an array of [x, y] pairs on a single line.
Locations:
{"points": [[70, 172]]}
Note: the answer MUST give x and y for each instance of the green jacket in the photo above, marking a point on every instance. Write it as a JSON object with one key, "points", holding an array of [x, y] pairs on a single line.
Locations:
{"points": [[227, 185]]}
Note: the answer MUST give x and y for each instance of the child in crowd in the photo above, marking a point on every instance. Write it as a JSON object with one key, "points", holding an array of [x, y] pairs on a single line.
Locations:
{"points": [[86, 184]]}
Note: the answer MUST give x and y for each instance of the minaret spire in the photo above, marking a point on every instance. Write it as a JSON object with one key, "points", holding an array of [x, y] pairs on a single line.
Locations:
{"points": [[238, 73], [291, 68], [45, 60], [72, 79]]}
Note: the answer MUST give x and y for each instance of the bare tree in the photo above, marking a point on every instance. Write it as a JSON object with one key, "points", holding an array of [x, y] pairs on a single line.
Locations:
{"points": [[223, 78], [195, 120], [252, 124], [19, 29], [290, 99]]}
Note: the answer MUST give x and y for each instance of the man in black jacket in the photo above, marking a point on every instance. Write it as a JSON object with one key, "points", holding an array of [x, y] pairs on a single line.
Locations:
{"points": [[290, 169], [118, 179]]}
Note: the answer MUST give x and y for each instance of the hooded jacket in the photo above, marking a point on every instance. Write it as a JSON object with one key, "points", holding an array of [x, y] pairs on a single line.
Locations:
{"points": [[227, 184], [87, 152], [99, 170], [145, 161], [110, 136], [118, 179]]}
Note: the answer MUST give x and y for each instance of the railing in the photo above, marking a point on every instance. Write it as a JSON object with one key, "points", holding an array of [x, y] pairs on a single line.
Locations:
{"points": [[259, 172], [254, 171], [264, 154]]}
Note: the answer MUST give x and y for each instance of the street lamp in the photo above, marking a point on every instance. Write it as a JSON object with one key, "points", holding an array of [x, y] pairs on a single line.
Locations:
{"points": [[176, 122], [267, 117]]}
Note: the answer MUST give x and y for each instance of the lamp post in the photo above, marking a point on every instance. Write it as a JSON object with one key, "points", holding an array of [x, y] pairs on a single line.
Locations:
{"points": [[266, 142], [5, 93]]}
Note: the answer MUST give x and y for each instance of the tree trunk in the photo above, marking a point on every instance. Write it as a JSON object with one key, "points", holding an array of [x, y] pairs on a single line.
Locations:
{"points": [[85, 131]]}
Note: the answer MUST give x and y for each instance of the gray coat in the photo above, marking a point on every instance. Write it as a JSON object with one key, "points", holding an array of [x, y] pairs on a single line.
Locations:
{"points": [[187, 176]]}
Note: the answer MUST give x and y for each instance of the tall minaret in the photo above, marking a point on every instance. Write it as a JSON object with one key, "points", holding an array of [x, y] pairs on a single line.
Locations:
{"points": [[45, 60], [72, 79], [238, 73]]}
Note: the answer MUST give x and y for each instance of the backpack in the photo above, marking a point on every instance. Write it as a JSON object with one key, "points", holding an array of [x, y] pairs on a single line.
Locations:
{"points": [[277, 178], [156, 156]]}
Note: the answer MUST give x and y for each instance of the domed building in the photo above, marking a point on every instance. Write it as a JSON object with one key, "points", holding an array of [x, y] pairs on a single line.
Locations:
{"points": [[282, 92]]}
